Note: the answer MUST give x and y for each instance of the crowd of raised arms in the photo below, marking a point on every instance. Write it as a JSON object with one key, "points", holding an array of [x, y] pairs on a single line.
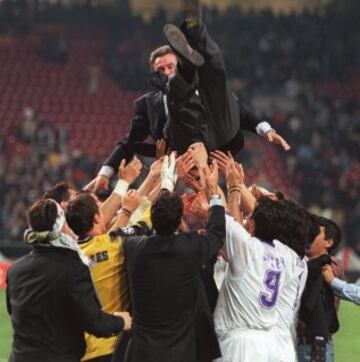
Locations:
{"points": [[269, 254]]}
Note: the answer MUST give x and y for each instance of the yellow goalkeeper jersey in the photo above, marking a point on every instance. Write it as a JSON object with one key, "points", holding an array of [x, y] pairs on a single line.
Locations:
{"points": [[109, 277]]}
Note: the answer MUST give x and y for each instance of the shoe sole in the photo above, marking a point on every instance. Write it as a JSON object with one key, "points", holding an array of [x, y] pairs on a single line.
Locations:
{"points": [[178, 42]]}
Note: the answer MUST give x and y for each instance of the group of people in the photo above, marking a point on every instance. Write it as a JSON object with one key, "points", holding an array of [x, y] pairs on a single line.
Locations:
{"points": [[130, 265], [131, 278], [43, 157]]}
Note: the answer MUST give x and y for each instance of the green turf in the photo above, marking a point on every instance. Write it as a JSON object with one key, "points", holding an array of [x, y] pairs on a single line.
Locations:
{"points": [[347, 346], [5, 329]]}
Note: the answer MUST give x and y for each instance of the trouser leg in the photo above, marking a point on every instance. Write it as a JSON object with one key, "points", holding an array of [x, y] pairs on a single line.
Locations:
{"points": [[186, 121], [219, 101]]}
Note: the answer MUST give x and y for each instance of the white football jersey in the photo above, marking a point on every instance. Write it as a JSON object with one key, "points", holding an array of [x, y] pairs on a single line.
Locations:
{"points": [[256, 274], [288, 304]]}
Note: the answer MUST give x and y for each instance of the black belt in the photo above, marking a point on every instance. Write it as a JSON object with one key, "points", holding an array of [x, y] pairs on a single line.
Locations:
{"points": [[310, 340]]}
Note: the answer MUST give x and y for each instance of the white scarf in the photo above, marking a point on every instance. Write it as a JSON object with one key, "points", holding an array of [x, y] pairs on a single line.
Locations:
{"points": [[56, 237]]}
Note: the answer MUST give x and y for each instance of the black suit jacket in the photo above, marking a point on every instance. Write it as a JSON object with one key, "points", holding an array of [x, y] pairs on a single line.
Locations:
{"points": [[172, 320], [51, 301], [150, 118]]}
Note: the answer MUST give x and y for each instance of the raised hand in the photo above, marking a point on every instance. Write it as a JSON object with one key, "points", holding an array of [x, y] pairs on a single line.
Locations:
{"points": [[211, 177], [155, 168], [234, 173], [101, 182], [131, 171], [184, 164], [273, 137], [192, 183], [168, 172], [90, 186], [160, 148], [222, 159], [200, 205], [199, 154], [132, 200]]}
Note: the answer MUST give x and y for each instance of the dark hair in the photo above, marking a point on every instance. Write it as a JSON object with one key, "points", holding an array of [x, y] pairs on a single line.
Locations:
{"points": [[166, 213], [159, 52], [42, 215], [283, 220], [302, 227], [80, 214], [280, 195], [332, 231], [59, 192], [315, 230]]}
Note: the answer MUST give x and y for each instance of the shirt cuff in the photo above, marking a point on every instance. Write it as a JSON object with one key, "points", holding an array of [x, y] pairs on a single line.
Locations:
{"points": [[107, 171], [262, 128], [337, 284], [215, 201]]}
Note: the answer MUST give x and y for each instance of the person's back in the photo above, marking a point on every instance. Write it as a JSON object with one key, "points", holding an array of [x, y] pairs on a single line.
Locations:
{"points": [[172, 317], [262, 276], [38, 285], [288, 305], [50, 296], [109, 277], [165, 273], [105, 252], [245, 314]]}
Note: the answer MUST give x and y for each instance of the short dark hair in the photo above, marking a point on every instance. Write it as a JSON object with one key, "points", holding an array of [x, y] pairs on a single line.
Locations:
{"points": [[332, 231], [159, 52], [166, 213], [59, 192], [80, 213], [42, 215], [283, 220]]}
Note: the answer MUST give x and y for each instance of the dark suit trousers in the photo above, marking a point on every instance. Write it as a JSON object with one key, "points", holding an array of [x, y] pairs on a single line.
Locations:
{"points": [[187, 116], [221, 105]]}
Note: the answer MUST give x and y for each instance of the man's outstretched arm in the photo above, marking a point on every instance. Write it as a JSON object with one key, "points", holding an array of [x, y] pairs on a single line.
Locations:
{"points": [[139, 130], [249, 122]]}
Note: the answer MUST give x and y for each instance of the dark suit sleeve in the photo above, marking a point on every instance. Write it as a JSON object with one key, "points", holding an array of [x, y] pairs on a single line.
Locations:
{"points": [[139, 130], [214, 234], [248, 121], [83, 295]]}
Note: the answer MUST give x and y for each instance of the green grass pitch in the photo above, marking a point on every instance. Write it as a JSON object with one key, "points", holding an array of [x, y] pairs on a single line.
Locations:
{"points": [[347, 340]]}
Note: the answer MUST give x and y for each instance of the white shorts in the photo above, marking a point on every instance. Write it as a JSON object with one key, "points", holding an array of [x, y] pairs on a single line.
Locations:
{"points": [[249, 345], [287, 346]]}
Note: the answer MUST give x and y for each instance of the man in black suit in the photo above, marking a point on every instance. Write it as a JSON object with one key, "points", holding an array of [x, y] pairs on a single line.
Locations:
{"points": [[193, 101], [50, 296], [172, 320]]}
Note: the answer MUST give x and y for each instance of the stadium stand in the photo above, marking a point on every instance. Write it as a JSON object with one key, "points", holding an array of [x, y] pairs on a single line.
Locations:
{"points": [[308, 93]]}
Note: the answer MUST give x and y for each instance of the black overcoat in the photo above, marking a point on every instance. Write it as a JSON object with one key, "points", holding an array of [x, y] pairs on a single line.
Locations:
{"points": [[172, 320]]}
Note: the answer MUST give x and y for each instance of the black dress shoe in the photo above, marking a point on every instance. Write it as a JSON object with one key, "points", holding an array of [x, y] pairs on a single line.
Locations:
{"points": [[180, 45]]}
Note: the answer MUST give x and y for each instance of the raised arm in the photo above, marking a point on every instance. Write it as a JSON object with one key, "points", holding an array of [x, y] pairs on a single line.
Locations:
{"points": [[251, 123], [234, 178], [132, 200], [215, 226], [152, 178], [139, 130], [345, 291], [127, 175]]}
